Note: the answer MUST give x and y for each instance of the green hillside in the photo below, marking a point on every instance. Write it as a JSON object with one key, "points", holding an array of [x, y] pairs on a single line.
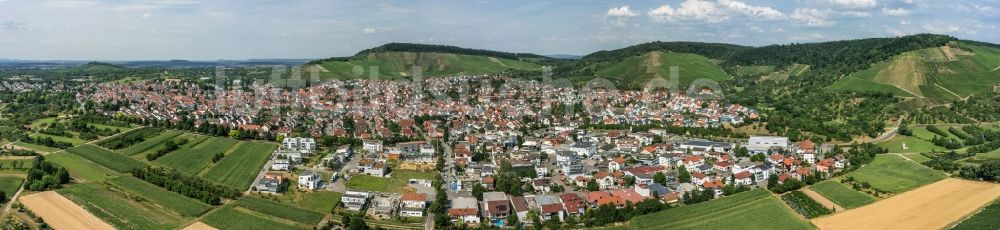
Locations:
{"points": [[637, 70], [393, 65], [953, 71]]}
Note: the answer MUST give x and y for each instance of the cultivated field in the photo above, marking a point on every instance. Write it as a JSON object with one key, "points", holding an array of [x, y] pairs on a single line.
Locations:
{"points": [[149, 143], [199, 226], [119, 210], [106, 158], [934, 206], [196, 155], [930, 73], [985, 219], [241, 165], [232, 217], [320, 201], [638, 70], [895, 174], [61, 213], [10, 183], [79, 167], [756, 209], [842, 195], [280, 210], [178, 203]]}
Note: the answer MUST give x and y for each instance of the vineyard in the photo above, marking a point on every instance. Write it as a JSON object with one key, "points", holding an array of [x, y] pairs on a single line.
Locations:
{"points": [[804, 205]]}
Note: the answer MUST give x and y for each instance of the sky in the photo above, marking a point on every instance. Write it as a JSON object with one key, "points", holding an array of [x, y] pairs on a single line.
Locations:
{"points": [[246, 29]]}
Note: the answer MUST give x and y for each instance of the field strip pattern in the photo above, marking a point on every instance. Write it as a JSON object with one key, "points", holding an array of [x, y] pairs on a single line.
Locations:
{"points": [[61, 213], [934, 206]]}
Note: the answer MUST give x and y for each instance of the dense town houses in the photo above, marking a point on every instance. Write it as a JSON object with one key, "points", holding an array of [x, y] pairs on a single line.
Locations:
{"points": [[525, 150]]}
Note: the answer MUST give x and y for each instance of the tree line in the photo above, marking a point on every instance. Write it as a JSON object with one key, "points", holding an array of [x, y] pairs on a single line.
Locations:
{"points": [[194, 187]]}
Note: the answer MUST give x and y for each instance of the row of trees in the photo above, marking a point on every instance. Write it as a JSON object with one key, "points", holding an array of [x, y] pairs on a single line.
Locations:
{"points": [[189, 186], [169, 146], [987, 171], [130, 138]]}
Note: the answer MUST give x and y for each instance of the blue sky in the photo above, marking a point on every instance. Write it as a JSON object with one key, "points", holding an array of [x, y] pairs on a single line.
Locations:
{"points": [[241, 29]]}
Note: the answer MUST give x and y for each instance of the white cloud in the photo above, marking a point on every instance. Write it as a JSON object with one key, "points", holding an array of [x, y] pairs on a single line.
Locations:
{"points": [[705, 11], [622, 11], [754, 11], [940, 29], [368, 31], [813, 17], [853, 3], [146, 15], [690, 10], [823, 18], [856, 14], [904, 22], [895, 12]]}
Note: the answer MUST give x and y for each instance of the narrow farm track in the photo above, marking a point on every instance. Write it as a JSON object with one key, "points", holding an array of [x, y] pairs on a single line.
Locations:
{"points": [[6, 208], [947, 90], [822, 200]]}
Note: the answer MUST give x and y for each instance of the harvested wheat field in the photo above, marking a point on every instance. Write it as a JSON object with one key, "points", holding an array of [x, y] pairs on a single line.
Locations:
{"points": [[199, 226], [934, 206], [61, 213]]}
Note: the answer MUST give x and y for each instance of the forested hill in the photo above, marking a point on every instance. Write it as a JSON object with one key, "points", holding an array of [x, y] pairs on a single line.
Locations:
{"points": [[840, 56], [426, 48]]}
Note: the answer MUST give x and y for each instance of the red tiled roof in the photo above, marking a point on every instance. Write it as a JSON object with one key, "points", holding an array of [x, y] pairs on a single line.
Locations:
{"points": [[742, 175], [411, 196], [552, 208], [463, 212]]}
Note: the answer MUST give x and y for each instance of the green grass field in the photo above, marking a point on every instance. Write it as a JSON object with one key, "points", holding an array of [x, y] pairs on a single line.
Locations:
{"points": [[150, 143], [394, 183], [81, 168], [842, 195], [196, 155], [170, 200], [894, 174], [107, 158], [280, 210], [231, 217], [9, 184], [240, 167], [756, 209], [985, 219], [919, 158], [103, 126], [116, 209], [71, 140], [40, 148], [15, 165], [320, 201], [43, 121]]}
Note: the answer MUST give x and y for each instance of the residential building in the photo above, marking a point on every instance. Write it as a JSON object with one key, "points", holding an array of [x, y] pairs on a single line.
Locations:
{"points": [[309, 180], [354, 200], [413, 204]]}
